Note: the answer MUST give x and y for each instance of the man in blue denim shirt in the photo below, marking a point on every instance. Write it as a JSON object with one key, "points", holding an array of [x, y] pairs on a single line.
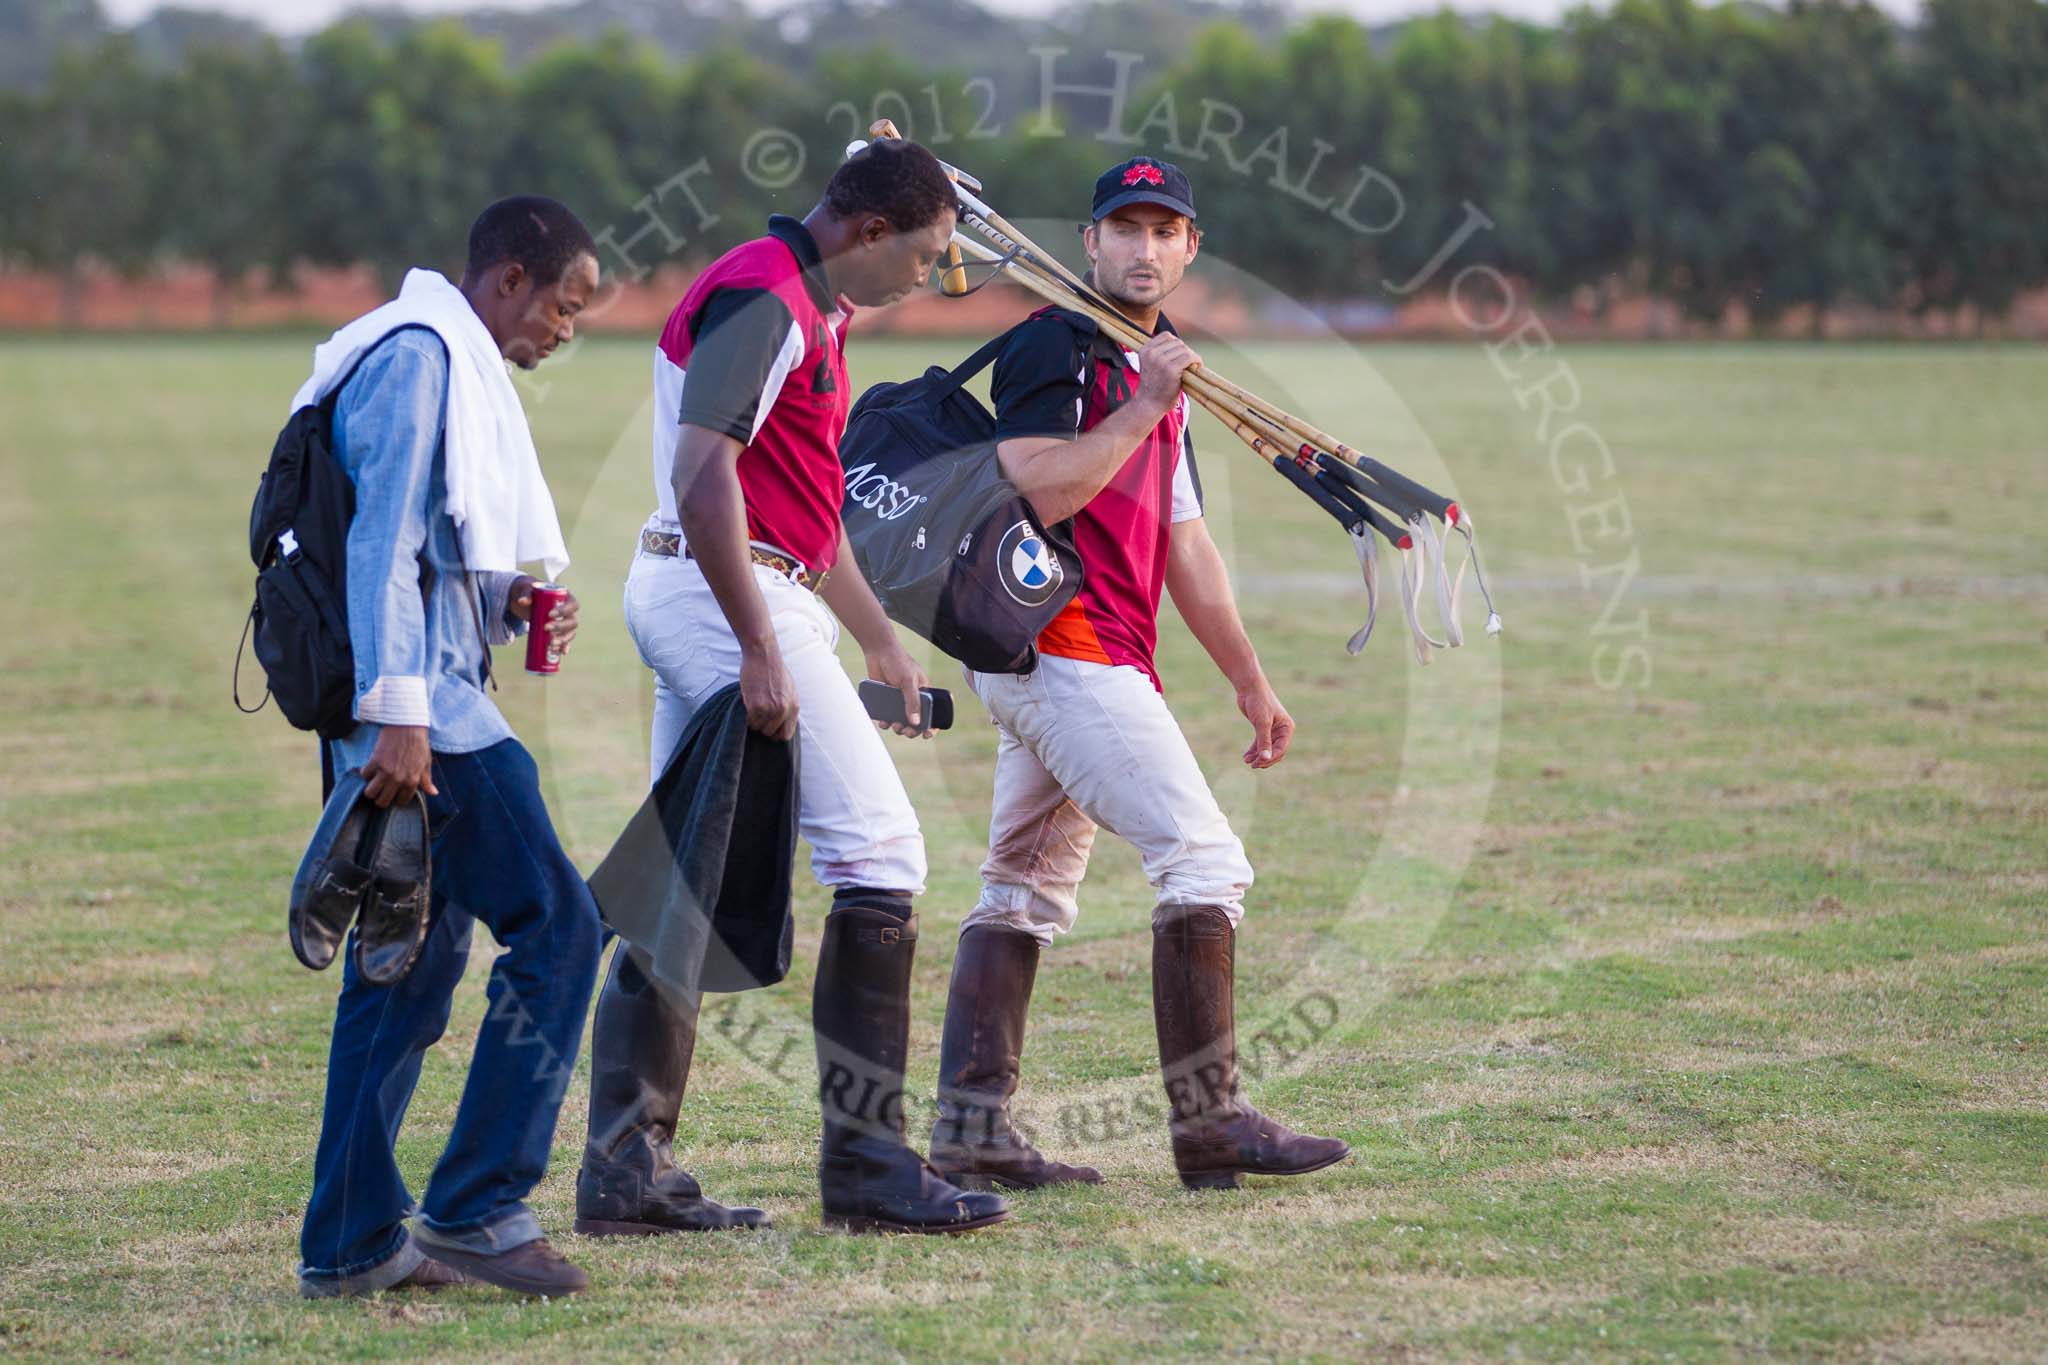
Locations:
{"points": [[418, 624]]}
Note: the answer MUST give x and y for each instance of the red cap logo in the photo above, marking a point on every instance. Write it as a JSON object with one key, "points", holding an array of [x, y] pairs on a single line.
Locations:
{"points": [[1144, 175]]}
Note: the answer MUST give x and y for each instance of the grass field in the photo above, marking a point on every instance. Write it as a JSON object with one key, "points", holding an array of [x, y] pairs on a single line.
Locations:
{"points": [[1700, 1016]]}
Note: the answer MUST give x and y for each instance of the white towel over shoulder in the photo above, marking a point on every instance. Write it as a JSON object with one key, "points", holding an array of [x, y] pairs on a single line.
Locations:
{"points": [[497, 498]]}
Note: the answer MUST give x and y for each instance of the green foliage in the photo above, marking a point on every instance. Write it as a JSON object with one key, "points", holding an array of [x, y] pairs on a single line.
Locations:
{"points": [[1714, 154], [1982, 106], [582, 119], [32, 32], [86, 162], [403, 144], [224, 197]]}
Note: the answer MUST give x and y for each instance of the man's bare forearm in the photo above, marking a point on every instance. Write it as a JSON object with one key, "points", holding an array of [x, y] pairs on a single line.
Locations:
{"points": [[853, 601], [713, 515], [1060, 477]]}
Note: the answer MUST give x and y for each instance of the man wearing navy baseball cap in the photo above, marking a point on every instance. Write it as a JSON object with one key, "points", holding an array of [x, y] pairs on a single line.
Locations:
{"points": [[1095, 433], [1143, 180]]}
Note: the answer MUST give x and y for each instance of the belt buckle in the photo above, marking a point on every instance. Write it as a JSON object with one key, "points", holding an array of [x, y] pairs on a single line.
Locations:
{"points": [[782, 564]]}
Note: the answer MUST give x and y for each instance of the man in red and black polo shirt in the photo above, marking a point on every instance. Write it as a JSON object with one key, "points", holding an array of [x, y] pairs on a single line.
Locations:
{"points": [[737, 569], [1096, 433]]}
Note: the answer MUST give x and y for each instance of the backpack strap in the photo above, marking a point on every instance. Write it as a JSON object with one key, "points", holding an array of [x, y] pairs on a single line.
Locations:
{"points": [[328, 404], [1084, 329], [970, 367]]}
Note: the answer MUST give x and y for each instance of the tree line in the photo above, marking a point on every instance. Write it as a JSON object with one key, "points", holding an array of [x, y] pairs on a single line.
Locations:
{"points": [[1709, 154]]}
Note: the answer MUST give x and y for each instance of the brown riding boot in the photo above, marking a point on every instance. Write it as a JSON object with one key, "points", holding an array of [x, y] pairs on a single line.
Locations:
{"points": [[974, 1144], [1217, 1137]]}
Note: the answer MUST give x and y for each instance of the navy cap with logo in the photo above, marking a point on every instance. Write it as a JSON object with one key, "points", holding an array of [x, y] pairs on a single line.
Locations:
{"points": [[1143, 180]]}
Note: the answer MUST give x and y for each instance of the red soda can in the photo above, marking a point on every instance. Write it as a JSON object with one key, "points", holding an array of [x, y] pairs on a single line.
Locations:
{"points": [[542, 654]]}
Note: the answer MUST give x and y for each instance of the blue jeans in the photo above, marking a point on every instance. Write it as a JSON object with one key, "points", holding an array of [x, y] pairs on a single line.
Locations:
{"points": [[496, 859]]}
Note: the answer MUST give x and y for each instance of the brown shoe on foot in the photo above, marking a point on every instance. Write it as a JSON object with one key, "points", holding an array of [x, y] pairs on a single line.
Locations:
{"points": [[430, 1275], [530, 1268]]}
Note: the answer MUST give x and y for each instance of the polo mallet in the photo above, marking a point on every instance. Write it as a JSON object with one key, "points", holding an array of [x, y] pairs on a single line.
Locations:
{"points": [[1337, 478]]}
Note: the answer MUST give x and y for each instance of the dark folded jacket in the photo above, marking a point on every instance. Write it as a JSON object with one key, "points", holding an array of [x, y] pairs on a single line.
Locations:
{"points": [[699, 883]]}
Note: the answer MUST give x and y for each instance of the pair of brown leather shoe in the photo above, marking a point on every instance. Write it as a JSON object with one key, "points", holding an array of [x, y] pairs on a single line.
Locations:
{"points": [[533, 1268], [370, 866], [429, 1276]]}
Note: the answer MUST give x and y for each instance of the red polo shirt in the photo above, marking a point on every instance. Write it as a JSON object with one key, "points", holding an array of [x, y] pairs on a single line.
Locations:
{"points": [[1047, 383], [757, 350]]}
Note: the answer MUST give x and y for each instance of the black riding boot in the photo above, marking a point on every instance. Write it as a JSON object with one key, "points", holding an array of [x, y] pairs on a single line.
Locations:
{"points": [[640, 1050], [1217, 1137], [868, 1176], [974, 1143]]}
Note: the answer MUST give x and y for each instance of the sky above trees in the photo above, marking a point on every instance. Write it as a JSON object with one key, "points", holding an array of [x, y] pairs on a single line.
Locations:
{"points": [[301, 16]]}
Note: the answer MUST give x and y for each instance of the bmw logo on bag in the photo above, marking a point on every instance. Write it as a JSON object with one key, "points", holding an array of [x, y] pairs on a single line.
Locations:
{"points": [[1028, 566]]}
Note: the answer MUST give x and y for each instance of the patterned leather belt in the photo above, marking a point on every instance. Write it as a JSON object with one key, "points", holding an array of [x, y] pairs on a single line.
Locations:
{"points": [[669, 544]]}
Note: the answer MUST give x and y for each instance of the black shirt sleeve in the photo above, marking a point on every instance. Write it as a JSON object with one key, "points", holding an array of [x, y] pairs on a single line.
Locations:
{"points": [[1037, 389], [735, 340]]}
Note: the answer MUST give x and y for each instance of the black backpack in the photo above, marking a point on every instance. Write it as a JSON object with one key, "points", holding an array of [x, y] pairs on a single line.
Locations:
{"points": [[298, 538], [951, 548]]}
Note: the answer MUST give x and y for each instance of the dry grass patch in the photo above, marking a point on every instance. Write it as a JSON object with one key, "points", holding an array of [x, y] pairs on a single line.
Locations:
{"points": [[1953, 1341], [1628, 1163]]}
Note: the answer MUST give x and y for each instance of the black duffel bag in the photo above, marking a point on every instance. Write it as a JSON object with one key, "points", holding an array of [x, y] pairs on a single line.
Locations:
{"points": [[951, 548]]}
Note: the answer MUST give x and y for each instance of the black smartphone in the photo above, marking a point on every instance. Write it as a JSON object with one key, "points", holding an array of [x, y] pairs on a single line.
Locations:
{"points": [[884, 702]]}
